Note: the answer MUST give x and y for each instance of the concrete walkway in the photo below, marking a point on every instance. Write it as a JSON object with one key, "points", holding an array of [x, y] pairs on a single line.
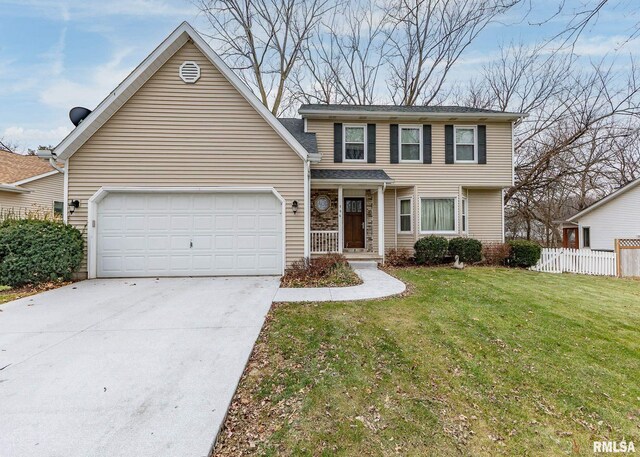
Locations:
{"points": [[376, 284]]}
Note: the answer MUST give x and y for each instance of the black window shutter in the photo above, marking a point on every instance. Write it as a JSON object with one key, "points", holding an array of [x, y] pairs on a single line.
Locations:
{"points": [[371, 143], [337, 143], [394, 142], [426, 144], [482, 144], [448, 144]]}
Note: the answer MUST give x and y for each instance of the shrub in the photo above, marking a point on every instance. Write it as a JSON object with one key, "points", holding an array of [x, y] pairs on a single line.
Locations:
{"points": [[431, 250], [495, 253], [330, 269], [467, 249], [524, 253], [398, 258], [34, 251]]}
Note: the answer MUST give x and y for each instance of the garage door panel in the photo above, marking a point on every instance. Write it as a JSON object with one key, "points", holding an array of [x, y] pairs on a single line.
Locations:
{"points": [[268, 222], [133, 203], [224, 202], [266, 203], [203, 222], [157, 222], [268, 242], [268, 261], [180, 202], [134, 264], [189, 234]]}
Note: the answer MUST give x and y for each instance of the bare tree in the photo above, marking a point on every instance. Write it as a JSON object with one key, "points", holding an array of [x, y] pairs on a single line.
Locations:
{"points": [[427, 37], [264, 39], [9, 145], [344, 61]]}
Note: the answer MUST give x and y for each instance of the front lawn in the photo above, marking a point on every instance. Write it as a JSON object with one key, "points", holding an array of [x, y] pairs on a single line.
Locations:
{"points": [[482, 361]]}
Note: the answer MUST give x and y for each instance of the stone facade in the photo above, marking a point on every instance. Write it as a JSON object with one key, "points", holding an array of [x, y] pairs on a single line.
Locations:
{"points": [[368, 242], [329, 219]]}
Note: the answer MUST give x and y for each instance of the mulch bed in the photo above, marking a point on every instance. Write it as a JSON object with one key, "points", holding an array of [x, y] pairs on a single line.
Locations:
{"points": [[25, 291]]}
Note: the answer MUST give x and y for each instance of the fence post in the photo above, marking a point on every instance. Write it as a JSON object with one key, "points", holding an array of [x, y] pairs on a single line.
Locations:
{"points": [[617, 245]]}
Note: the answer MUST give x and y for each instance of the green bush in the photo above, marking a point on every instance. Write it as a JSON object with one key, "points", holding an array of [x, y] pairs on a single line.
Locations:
{"points": [[431, 250], [467, 249], [34, 251], [524, 253]]}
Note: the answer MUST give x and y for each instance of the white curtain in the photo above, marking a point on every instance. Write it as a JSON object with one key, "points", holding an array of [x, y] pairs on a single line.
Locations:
{"points": [[438, 214]]}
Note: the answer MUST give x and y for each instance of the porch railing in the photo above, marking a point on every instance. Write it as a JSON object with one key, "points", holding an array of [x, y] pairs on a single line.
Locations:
{"points": [[323, 242]]}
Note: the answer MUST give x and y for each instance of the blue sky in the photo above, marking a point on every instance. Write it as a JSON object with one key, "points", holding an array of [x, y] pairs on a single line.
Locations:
{"points": [[57, 54]]}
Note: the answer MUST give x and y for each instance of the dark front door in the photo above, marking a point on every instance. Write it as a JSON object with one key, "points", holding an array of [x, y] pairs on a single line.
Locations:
{"points": [[354, 223], [570, 238]]}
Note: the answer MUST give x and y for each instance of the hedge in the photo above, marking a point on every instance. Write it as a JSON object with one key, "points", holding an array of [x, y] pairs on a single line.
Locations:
{"points": [[35, 251], [524, 253], [431, 250]]}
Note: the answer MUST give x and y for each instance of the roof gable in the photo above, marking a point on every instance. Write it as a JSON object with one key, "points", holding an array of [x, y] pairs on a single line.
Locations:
{"points": [[132, 83], [603, 201]]}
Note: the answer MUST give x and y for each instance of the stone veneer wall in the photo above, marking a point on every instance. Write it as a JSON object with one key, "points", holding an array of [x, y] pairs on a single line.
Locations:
{"points": [[329, 219], [368, 242]]}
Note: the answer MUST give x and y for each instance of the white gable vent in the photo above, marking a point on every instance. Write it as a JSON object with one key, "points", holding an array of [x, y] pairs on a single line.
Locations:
{"points": [[189, 72]]}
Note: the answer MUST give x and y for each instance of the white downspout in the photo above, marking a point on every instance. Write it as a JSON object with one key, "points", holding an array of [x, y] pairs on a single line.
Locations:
{"points": [[307, 208]]}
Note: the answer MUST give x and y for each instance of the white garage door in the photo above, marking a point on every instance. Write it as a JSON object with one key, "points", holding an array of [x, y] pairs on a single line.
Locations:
{"points": [[182, 234]]}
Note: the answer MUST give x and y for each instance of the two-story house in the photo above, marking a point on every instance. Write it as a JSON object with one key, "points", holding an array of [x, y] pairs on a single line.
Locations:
{"points": [[181, 171]]}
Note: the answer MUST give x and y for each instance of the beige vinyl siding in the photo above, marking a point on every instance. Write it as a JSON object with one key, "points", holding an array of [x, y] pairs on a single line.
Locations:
{"points": [[390, 218], [485, 214], [174, 134], [44, 192], [437, 179], [436, 176]]}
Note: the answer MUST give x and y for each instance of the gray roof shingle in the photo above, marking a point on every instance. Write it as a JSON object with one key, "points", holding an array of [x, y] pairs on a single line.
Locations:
{"points": [[296, 128], [368, 174]]}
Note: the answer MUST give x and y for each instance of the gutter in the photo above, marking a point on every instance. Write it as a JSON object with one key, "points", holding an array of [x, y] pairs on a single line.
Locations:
{"points": [[392, 115], [45, 153]]}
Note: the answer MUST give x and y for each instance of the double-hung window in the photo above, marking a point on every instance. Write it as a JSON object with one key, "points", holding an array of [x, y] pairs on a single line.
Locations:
{"points": [[405, 222], [438, 215], [355, 143], [466, 144], [410, 143]]}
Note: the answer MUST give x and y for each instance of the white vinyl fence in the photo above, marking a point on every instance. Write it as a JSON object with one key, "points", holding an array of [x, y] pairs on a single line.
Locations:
{"points": [[582, 261]]}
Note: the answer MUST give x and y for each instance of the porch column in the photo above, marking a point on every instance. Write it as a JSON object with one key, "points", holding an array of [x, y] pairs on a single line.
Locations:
{"points": [[381, 222], [340, 224]]}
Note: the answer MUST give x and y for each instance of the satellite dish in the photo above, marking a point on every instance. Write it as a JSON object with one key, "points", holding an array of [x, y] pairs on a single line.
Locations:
{"points": [[78, 114]]}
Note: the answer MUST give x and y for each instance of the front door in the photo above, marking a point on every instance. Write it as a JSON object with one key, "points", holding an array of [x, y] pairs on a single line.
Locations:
{"points": [[354, 223], [570, 238]]}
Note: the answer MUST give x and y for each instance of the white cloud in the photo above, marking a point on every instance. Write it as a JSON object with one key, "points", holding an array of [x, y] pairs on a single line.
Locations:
{"points": [[91, 88], [27, 137]]}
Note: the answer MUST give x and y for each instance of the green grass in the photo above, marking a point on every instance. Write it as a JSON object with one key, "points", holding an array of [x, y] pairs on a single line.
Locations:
{"points": [[476, 362]]}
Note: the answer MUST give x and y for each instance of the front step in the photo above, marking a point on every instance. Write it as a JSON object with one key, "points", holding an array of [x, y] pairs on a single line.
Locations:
{"points": [[363, 264]]}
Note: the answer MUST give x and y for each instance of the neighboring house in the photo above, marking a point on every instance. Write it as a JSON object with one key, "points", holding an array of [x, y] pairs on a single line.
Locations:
{"points": [[29, 184], [182, 171], [597, 226]]}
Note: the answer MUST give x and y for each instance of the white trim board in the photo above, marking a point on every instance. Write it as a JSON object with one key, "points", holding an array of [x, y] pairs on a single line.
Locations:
{"points": [[92, 217], [138, 77], [35, 178]]}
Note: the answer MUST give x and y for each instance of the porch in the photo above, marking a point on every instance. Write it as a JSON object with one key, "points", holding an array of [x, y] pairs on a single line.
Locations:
{"points": [[347, 213]]}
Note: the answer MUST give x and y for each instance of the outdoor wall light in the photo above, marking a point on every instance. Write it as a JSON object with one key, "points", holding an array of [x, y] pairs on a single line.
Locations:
{"points": [[73, 204], [294, 206]]}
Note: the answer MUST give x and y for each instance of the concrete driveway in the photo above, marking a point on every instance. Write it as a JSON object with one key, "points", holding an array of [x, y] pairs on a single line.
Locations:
{"points": [[142, 367]]}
